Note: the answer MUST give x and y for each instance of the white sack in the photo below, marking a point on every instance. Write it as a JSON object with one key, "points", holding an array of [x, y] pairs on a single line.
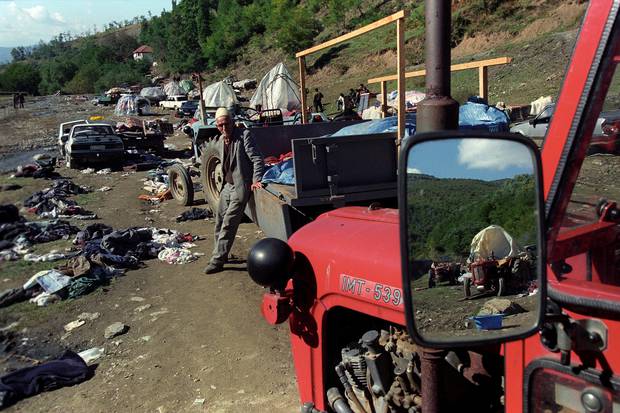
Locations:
{"points": [[219, 95], [493, 240], [277, 90]]}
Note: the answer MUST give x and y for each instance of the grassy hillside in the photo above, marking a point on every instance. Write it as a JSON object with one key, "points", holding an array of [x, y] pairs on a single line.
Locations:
{"points": [[449, 212], [538, 35]]}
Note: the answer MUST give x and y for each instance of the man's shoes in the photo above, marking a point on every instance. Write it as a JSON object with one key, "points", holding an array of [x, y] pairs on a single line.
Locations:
{"points": [[214, 268]]}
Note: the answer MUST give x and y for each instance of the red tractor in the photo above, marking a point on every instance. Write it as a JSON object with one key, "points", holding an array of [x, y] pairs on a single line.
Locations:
{"points": [[364, 340]]}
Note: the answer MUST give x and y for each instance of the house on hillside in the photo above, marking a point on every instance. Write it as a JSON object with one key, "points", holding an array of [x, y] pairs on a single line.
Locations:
{"points": [[143, 53]]}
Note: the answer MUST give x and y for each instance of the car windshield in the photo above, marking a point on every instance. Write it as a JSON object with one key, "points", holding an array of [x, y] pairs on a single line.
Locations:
{"points": [[547, 112], [93, 130]]}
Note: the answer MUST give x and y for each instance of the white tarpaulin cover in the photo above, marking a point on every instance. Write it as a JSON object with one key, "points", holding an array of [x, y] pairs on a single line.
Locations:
{"points": [[539, 104], [132, 105], [493, 240], [277, 90], [173, 89], [412, 98], [219, 94], [153, 92]]}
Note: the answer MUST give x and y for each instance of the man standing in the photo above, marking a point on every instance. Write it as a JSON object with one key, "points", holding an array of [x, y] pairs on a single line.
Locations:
{"points": [[318, 100], [242, 167]]}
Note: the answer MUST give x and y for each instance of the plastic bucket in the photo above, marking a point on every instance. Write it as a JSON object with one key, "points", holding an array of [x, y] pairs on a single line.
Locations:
{"points": [[488, 322]]}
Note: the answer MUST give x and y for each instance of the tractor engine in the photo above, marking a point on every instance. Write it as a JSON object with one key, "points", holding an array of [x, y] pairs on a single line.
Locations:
{"points": [[379, 373]]}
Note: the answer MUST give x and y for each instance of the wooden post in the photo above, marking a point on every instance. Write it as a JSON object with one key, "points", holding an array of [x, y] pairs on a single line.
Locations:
{"points": [[383, 99], [483, 82], [302, 85], [203, 112], [400, 63]]}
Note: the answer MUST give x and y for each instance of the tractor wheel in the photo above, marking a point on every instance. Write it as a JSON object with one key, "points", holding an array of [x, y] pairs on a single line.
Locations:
{"points": [[181, 186], [467, 287], [501, 286], [211, 173]]}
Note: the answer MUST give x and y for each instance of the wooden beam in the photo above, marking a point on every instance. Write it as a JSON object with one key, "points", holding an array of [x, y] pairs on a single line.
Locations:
{"points": [[453, 68], [400, 70], [372, 26], [383, 99], [302, 86], [483, 82]]}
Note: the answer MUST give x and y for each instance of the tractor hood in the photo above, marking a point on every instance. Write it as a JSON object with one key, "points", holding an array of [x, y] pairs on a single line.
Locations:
{"points": [[354, 253]]}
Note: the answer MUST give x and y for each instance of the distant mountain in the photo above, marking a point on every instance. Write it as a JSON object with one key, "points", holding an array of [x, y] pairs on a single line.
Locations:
{"points": [[5, 54]]}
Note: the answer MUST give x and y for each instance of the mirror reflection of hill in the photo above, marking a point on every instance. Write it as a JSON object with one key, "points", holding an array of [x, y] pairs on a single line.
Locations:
{"points": [[449, 212]]}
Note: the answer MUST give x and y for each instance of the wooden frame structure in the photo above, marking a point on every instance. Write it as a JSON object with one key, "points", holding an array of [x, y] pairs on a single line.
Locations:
{"points": [[399, 19], [481, 65]]}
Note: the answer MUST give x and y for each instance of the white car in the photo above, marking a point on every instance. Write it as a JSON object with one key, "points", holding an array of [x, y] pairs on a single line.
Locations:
{"points": [[63, 133], [173, 102], [93, 143]]}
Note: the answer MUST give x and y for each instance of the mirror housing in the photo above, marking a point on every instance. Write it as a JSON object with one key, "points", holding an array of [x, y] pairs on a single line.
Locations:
{"points": [[412, 270]]}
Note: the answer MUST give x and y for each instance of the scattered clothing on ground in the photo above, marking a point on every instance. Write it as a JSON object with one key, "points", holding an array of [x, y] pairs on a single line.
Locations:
{"points": [[194, 214], [69, 369]]}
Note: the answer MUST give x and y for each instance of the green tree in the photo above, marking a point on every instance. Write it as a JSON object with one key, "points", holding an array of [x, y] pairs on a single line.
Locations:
{"points": [[20, 76]]}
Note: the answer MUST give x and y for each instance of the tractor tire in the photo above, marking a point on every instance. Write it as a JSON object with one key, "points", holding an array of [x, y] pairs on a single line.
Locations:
{"points": [[211, 175], [467, 287], [501, 286], [181, 186]]}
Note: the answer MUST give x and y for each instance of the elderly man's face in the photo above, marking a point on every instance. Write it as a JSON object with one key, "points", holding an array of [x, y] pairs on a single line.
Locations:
{"points": [[224, 125]]}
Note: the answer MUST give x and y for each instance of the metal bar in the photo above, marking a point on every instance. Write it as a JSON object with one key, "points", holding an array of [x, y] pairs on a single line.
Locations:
{"points": [[483, 82], [372, 26], [302, 85], [431, 360], [400, 70], [453, 68], [437, 111], [383, 99]]}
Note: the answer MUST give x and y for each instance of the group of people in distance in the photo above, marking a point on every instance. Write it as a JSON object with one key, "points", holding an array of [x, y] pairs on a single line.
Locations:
{"points": [[343, 103], [18, 100]]}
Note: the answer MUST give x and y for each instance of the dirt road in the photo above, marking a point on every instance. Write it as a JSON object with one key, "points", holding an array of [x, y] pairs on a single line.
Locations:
{"points": [[192, 336]]}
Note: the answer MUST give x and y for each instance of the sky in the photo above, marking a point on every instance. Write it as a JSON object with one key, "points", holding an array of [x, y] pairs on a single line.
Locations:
{"points": [[485, 159], [26, 22]]}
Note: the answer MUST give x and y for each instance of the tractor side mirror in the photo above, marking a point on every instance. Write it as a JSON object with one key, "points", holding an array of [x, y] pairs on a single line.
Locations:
{"points": [[472, 244]]}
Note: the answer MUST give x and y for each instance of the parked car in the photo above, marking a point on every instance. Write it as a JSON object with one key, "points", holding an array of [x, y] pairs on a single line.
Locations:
{"points": [[93, 143], [173, 102], [537, 127], [63, 133], [605, 136], [189, 107]]}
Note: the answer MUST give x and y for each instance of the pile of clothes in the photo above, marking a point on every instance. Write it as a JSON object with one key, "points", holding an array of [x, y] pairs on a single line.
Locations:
{"points": [[53, 202], [100, 254], [17, 234], [41, 168]]}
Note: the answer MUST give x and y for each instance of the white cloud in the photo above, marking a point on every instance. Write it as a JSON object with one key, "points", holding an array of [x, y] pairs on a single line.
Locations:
{"points": [[37, 13], [493, 154], [40, 22], [413, 171]]}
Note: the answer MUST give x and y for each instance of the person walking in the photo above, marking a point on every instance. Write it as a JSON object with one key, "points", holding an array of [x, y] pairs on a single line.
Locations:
{"points": [[318, 100], [22, 98], [15, 100], [243, 168], [340, 103]]}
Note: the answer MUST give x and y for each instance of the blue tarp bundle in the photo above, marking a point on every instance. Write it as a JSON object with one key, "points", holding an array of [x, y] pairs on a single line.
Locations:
{"points": [[471, 116], [480, 116], [385, 125], [281, 173]]}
